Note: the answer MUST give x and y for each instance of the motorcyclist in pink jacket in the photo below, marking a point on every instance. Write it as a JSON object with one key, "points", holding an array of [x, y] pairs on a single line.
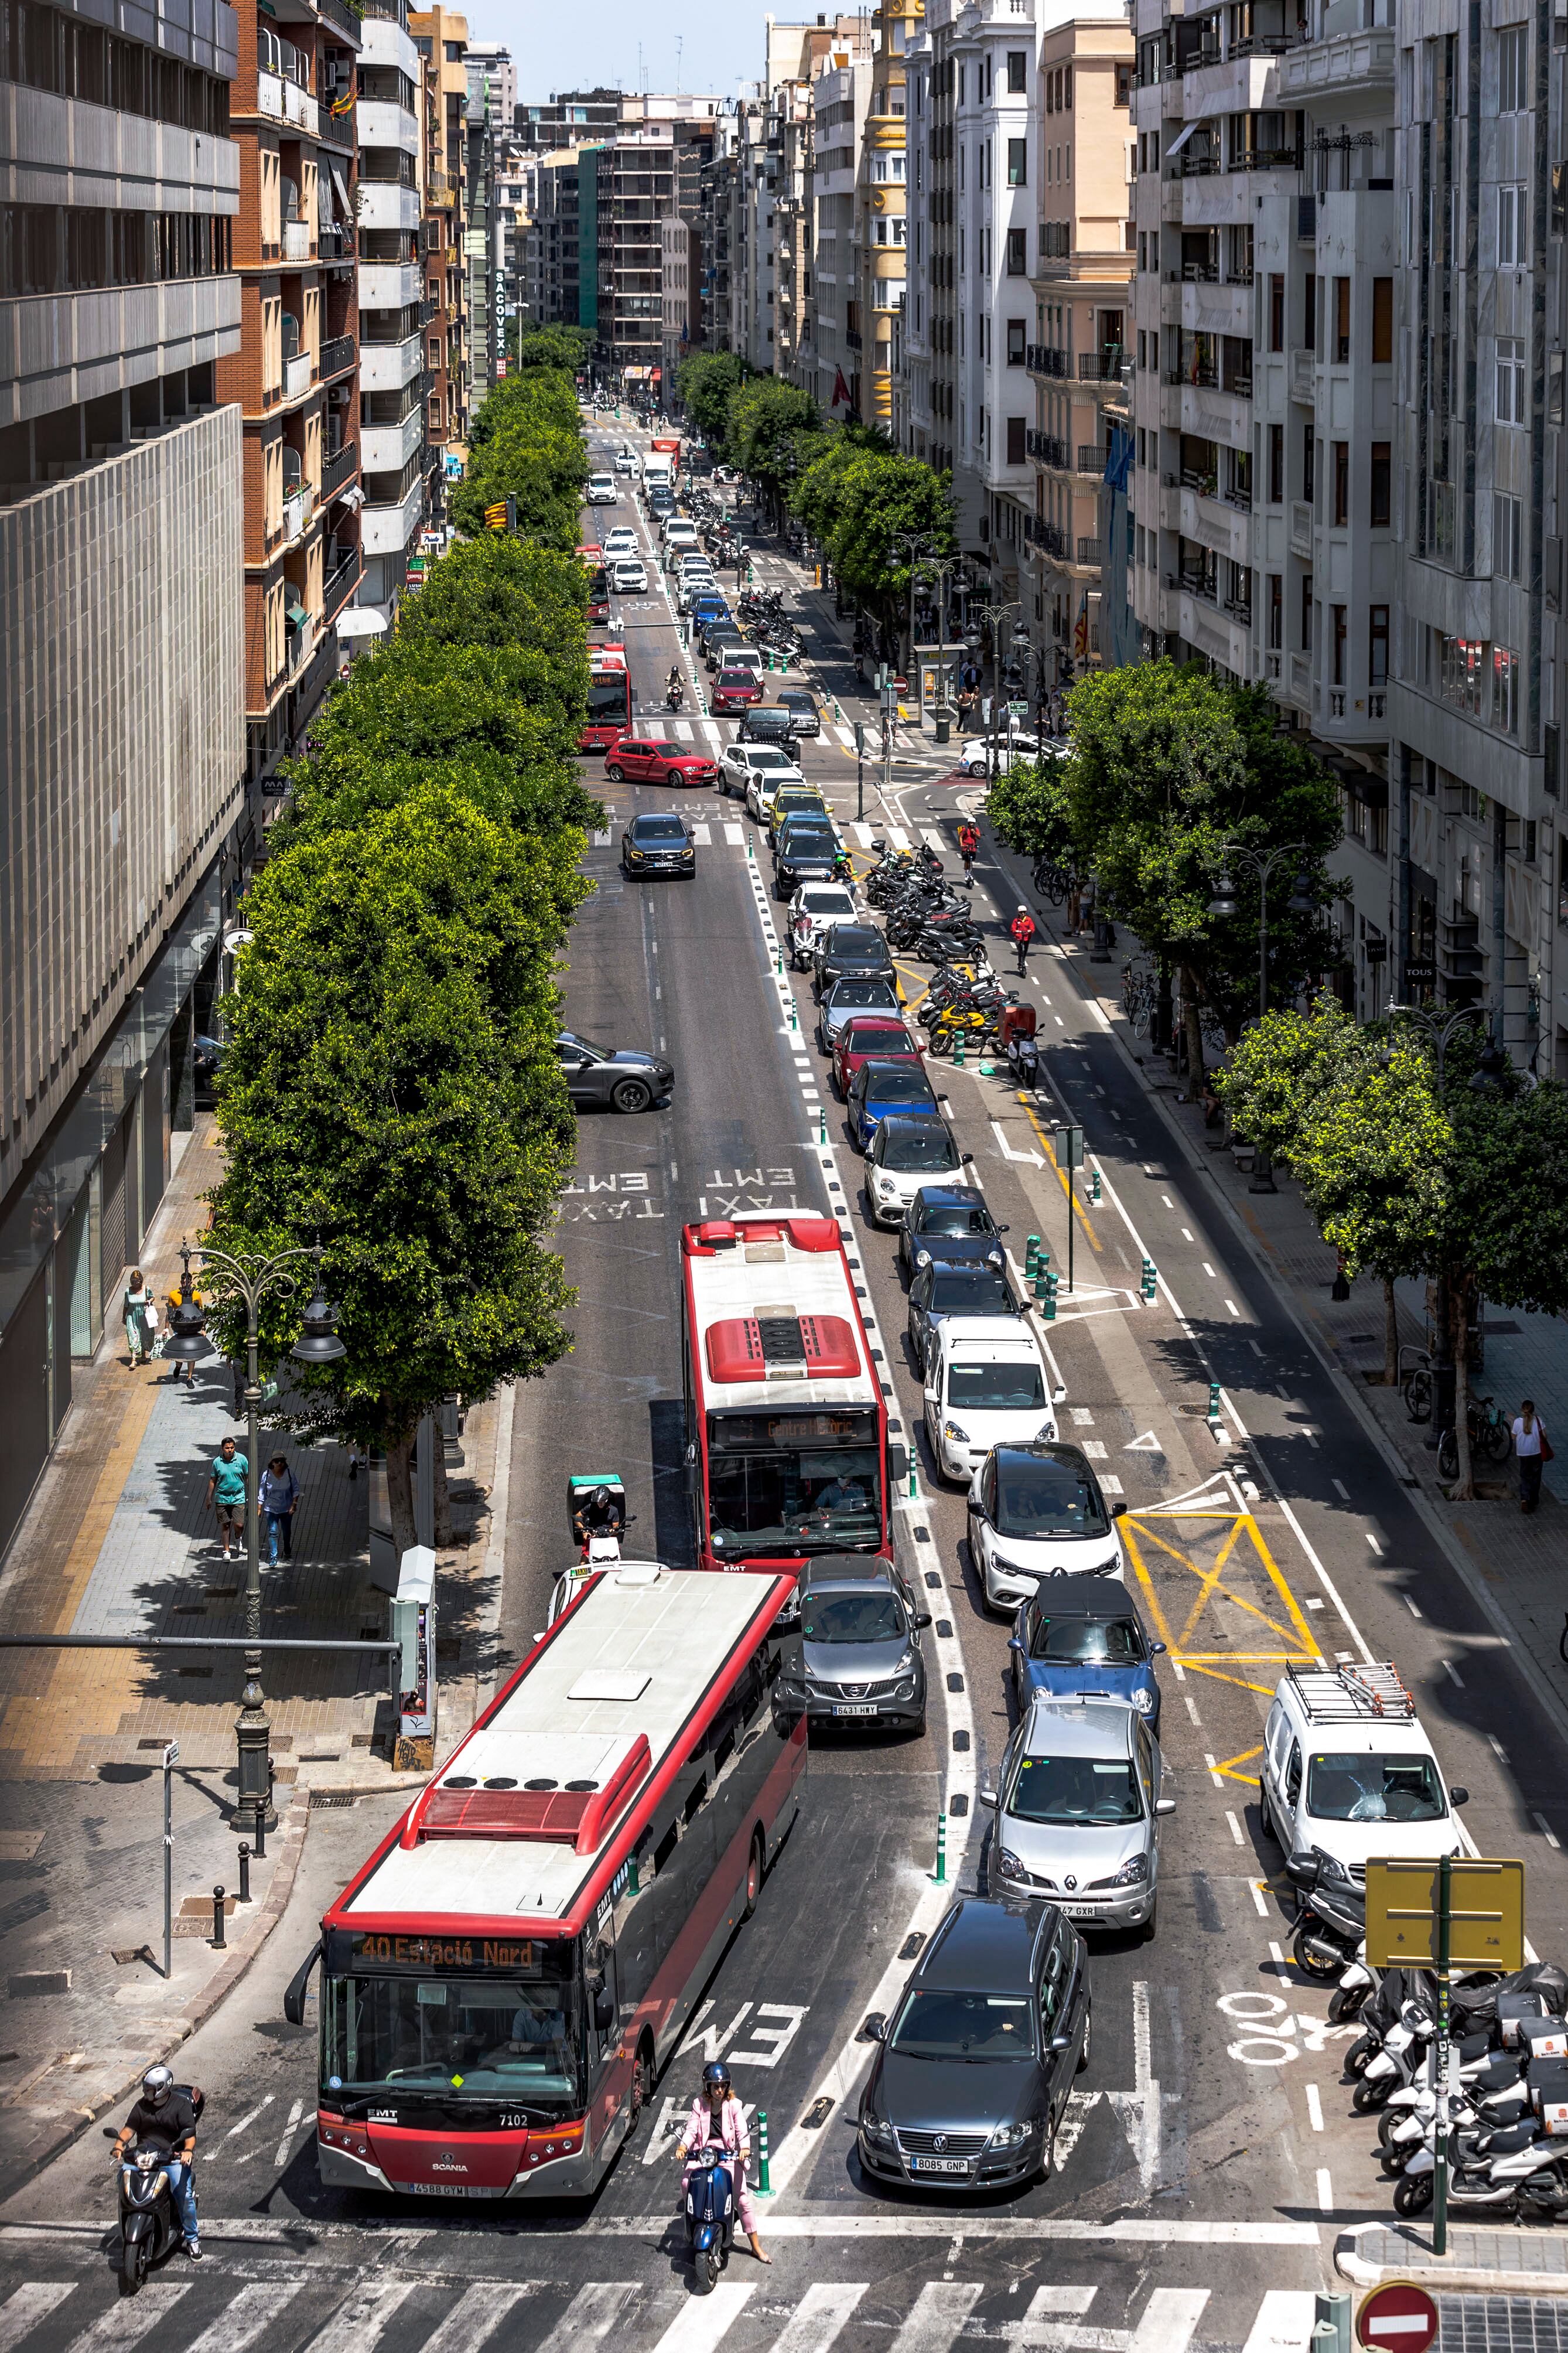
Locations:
{"points": [[716, 2118]]}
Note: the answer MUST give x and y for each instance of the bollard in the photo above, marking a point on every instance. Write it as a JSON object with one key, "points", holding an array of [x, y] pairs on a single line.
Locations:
{"points": [[764, 2176], [1214, 1401], [259, 1849], [633, 1883], [1150, 1281], [244, 1896], [1051, 1314], [778, 964], [1042, 1284], [958, 1052], [1031, 1251], [219, 1941], [794, 1012], [752, 847], [822, 1124], [1094, 1192], [914, 1490], [942, 1849]]}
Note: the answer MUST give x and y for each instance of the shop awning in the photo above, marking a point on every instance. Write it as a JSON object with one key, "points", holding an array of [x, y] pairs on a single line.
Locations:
{"points": [[297, 615]]}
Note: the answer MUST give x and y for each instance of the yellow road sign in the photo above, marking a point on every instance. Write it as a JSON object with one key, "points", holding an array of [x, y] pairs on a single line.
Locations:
{"points": [[1486, 1915]]}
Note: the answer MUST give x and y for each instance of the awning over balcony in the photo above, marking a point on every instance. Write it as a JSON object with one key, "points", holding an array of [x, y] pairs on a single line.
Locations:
{"points": [[362, 621]]}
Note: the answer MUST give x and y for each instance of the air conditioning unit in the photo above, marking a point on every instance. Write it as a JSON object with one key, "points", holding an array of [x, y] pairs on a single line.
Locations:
{"points": [[338, 395]]}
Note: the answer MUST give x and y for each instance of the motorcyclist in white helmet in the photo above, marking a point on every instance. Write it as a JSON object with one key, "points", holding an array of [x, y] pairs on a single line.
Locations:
{"points": [[165, 2117]]}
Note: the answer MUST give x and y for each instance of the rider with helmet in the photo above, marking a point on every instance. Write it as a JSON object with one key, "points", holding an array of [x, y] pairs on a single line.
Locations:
{"points": [[598, 1516], [165, 2117], [717, 2120], [1023, 929]]}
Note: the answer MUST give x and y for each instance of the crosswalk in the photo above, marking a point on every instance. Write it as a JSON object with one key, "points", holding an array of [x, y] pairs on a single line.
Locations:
{"points": [[724, 730], [860, 836], [296, 2307]]}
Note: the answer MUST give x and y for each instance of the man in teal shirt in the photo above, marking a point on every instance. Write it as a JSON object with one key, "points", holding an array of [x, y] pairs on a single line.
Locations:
{"points": [[229, 1473]]}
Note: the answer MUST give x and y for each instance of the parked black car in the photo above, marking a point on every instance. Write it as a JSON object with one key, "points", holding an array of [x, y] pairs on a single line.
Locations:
{"points": [[943, 1288], [951, 1222], [849, 948], [978, 2058], [860, 1643], [623, 1077]]}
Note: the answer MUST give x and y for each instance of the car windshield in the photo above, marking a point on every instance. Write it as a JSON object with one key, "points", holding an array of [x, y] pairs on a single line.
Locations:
{"points": [[658, 828], [953, 1218], [829, 902], [767, 763], [890, 1086], [816, 840], [794, 1500], [1048, 1495], [1350, 1788], [1075, 1789], [457, 2036], [852, 1618], [1012, 1386], [1089, 1641], [909, 1149], [856, 940], [971, 1291], [729, 677], [936, 2024], [573, 1039], [849, 994]]}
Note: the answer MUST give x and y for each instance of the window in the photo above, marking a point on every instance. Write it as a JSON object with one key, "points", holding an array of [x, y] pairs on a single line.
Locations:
{"points": [[1342, 320], [1015, 330], [1509, 381], [1306, 612], [1377, 645], [1276, 311], [1513, 70], [1340, 631], [1309, 464], [1505, 691], [1381, 479], [1508, 536], [1017, 253], [1463, 663], [1015, 441], [1381, 320], [1017, 68], [1017, 164], [1309, 312], [1276, 611], [1512, 228], [1123, 85], [1275, 465], [1342, 513]]}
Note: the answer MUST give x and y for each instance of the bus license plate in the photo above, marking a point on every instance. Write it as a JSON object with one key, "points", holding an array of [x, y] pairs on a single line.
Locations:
{"points": [[855, 1707], [938, 2165]]}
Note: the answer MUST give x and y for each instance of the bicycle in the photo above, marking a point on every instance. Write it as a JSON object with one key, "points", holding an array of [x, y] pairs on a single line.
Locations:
{"points": [[1138, 998], [1051, 880], [1490, 1438]]}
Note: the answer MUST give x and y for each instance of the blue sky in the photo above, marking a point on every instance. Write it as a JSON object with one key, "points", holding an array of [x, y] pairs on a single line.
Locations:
{"points": [[584, 46]]}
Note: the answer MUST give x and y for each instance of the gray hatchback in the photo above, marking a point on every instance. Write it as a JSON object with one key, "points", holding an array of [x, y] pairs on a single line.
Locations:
{"points": [[1076, 1809], [860, 1643]]}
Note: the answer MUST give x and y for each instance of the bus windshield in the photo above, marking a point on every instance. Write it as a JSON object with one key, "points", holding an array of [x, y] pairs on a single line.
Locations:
{"points": [[770, 1493], [609, 696], [444, 2036]]}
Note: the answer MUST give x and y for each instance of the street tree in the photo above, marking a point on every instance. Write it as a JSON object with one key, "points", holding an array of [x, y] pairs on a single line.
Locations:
{"points": [[707, 380], [391, 1087], [1027, 805], [553, 347], [762, 420]]}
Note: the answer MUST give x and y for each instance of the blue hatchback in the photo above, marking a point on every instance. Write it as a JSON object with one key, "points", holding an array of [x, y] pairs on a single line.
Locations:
{"points": [[1072, 1644], [878, 1088]]}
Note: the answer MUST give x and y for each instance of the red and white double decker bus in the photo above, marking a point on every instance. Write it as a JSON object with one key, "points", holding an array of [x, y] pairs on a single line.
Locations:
{"points": [[787, 1424], [609, 698], [502, 1980]]}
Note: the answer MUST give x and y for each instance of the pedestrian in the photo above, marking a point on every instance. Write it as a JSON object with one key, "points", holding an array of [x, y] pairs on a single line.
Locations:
{"points": [[174, 1301], [969, 848], [140, 1313], [278, 1494], [230, 1471], [355, 1457], [1532, 1450], [1023, 929]]}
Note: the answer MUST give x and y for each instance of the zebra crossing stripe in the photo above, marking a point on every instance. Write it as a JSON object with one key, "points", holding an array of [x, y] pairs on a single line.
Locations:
{"points": [[710, 729], [937, 2315], [701, 836], [476, 2315], [247, 2317], [30, 2305], [846, 736], [683, 729], [1284, 2322], [735, 836], [931, 839], [126, 2324], [361, 2319], [815, 2324], [863, 834], [588, 2319], [653, 727], [898, 837], [708, 2319]]}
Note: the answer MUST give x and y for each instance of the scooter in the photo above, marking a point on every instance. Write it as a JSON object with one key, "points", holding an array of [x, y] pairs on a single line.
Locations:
{"points": [[1330, 1919], [148, 2228], [1516, 2171], [709, 2216]]}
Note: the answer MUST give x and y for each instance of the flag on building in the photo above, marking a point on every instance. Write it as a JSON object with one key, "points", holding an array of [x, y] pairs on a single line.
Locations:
{"points": [[1080, 631], [840, 390]]}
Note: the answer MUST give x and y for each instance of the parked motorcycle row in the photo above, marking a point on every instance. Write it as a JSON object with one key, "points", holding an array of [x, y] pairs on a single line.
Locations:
{"points": [[1508, 2062]]}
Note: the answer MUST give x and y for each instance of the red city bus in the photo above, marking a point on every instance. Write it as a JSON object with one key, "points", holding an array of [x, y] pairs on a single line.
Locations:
{"points": [[609, 698], [591, 559], [786, 1425], [502, 1980]]}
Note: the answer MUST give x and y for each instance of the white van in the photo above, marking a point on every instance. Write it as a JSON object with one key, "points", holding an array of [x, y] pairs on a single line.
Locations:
{"points": [[657, 469], [986, 1385], [1347, 1769]]}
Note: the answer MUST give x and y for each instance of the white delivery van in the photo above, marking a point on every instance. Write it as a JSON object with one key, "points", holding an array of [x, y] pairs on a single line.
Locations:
{"points": [[1348, 1771]]}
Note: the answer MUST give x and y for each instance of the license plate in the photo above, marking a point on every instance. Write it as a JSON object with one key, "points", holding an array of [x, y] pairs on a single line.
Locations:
{"points": [[1082, 1911], [855, 1707], [434, 2188], [938, 2165]]}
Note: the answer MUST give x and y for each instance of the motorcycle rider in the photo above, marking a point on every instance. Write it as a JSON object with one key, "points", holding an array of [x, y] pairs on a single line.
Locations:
{"points": [[599, 1516], [165, 2119], [1022, 930], [716, 2118], [675, 688], [969, 848]]}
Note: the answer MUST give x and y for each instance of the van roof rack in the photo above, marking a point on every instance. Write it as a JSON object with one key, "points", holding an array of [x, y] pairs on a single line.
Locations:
{"points": [[1345, 1695]]}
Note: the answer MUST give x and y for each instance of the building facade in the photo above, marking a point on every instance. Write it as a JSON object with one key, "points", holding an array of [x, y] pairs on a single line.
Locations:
{"points": [[840, 98], [441, 39], [392, 300], [493, 87], [881, 221]]}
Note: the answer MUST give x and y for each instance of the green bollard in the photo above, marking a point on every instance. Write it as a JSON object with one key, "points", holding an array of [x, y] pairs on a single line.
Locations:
{"points": [[778, 964], [764, 2177], [794, 1015], [1094, 1192], [942, 1849], [1042, 1284], [1214, 1401], [958, 1052], [822, 1125], [914, 1492], [1050, 1312], [751, 848], [1031, 1252]]}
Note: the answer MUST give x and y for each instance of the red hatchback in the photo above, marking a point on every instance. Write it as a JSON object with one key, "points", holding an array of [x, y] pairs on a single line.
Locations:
{"points": [[867, 1037], [736, 690], [644, 760]]}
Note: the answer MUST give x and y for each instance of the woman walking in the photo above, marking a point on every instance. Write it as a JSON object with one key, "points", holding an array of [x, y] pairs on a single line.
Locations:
{"points": [[140, 1313], [1532, 1451], [278, 1494]]}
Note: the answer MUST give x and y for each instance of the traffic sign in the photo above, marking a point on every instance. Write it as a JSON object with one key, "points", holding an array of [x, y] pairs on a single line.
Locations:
{"points": [[1486, 1914], [1398, 2318]]}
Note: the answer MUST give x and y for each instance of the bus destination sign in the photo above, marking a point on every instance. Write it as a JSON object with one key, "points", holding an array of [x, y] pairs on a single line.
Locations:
{"points": [[350, 1951]]}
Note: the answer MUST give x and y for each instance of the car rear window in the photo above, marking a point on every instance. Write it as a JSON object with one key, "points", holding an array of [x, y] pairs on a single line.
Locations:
{"points": [[1012, 1385], [1089, 1641], [886, 1040], [909, 1151], [891, 1086], [971, 1291], [856, 939], [825, 902], [1047, 1493], [954, 1218]]}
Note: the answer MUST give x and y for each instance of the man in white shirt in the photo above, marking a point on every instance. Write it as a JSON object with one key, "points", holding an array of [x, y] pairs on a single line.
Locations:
{"points": [[1528, 1437]]}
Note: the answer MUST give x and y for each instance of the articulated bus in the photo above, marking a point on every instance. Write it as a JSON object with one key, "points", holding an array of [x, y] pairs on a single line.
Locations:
{"points": [[786, 1419], [502, 1980], [609, 698]]}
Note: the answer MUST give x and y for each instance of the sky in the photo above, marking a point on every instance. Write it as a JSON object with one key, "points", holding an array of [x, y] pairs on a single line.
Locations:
{"points": [[596, 42]]}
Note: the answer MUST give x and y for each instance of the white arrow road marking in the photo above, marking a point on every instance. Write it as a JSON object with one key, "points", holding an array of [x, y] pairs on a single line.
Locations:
{"points": [[1008, 1151], [1147, 1445], [1140, 2109], [290, 2129], [246, 2122], [1074, 2117]]}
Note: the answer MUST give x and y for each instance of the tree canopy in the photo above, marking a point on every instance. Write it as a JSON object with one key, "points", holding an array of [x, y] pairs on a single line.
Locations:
{"points": [[707, 380]]}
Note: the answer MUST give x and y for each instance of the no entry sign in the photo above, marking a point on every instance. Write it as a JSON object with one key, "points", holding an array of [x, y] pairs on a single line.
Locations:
{"points": [[1398, 2318]]}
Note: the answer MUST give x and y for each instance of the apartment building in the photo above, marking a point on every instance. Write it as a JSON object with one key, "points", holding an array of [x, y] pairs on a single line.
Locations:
{"points": [[481, 250], [840, 96], [391, 303], [680, 292], [648, 175], [493, 87], [880, 256], [122, 678], [721, 231], [441, 39], [576, 118], [552, 284], [296, 376]]}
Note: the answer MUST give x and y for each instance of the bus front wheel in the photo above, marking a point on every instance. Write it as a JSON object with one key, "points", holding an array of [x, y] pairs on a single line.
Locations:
{"points": [[755, 1866], [642, 2080]]}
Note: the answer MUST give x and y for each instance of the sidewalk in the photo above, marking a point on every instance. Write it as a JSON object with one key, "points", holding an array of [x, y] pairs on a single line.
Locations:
{"points": [[1502, 2263], [118, 1540]]}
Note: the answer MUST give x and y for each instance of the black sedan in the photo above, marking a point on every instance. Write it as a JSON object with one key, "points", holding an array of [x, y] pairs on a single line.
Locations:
{"points": [[807, 850], [849, 951], [950, 1222], [622, 1076], [800, 703], [766, 723], [940, 1290], [977, 2059], [658, 842]]}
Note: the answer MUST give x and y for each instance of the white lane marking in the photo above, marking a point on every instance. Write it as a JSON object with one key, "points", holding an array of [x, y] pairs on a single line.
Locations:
{"points": [[590, 2316], [653, 727], [1314, 2107], [1544, 1827], [819, 2221], [1284, 2323], [734, 835], [1325, 2191], [708, 2320], [898, 837], [1234, 1309], [1452, 1671], [1209, 1270], [1410, 1606], [1341, 1491], [937, 2316], [1496, 1748], [846, 736], [1192, 1709], [818, 2318], [1234, 1828], [1141, 2110], [701, 836], [243, 2320], [31, 2304], [1261, 1908], [1214, 1772], [1186, 1233], [710, 729], [290, 2129], [683, 730], [246, 2122], [476, 2315], [1373, 1543]]}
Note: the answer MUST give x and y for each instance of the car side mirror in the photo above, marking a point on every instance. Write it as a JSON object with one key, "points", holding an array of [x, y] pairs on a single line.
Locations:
{"points": [[875, 2029], [930, 1396], [603, 2011], [898, 1464], [1165, 1805], [1303, 1868], [1119, 1511], [1457, 1796], [1058, 1393], [1156, 1650], [1004, 1229], [966, 1159], [1013, 1644], [988, 1797], [1061, 2042], [922, 1617]]}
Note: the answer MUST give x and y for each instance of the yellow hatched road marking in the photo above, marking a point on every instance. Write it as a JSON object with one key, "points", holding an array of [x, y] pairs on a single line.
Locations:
{"points": [[1246, 1757], [1210, 1586]]}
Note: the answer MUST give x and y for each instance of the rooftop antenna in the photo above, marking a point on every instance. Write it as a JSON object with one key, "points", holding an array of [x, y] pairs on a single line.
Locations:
{"points": [[679, 48]]}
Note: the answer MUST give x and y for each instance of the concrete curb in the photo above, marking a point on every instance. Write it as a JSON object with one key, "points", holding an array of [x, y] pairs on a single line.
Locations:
{"points": [[1430, 2271], [53, 2140]]}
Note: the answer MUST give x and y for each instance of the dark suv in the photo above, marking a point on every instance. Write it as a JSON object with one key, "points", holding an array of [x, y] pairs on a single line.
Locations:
{"points": [[978, 2057], [860, 1643]]}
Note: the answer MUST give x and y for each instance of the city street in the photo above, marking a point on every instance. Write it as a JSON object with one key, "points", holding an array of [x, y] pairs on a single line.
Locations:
{"points": [[1210, 2157]]}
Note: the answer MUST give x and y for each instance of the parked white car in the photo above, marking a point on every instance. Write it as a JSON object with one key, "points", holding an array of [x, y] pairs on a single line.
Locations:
{"points": [[813, 908], [623, 540], [1348, 1771], [977, 752], [986, 1385], [629, 575], [756, 771]]}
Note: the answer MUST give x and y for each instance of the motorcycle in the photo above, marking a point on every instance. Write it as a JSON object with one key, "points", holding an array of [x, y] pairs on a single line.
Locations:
{"points": [[1330, 1919], [149, 2227], [709, 2216], [675, 695], [1518, 2169]]}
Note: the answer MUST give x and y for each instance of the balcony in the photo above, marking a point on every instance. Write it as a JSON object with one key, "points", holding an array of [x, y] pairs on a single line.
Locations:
{"points": [[1355, 64], [335, 243], [1048, 359], [339, 468], [387, 204], [389, 285], [346, 20], [386, 531], [340, 586], [302, 643], [296, 375], [1303, 365], [1301, 527], [1110, 366], [1047, 449], [386, 448], [387, 367], [1088, 551], [1188, 583], [1090, 459], [1040, 533], [336, 357], [297, 508], [384, 124]]}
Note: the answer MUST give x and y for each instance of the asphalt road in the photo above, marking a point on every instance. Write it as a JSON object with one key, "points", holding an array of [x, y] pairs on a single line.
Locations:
{"points": [[1210, 2155]]}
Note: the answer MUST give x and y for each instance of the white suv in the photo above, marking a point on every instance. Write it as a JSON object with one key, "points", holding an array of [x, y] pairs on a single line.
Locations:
{"points": [[602, 490], [1349, 1773], [756, 771], [986, 1385]]}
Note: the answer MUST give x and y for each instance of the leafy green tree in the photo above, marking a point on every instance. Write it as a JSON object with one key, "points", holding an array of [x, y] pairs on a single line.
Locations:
{"points": [[390, 1086], [555, 347], [1027, 805], [761, 421], [1167, 766], [501, 591], [707, 380], [865, 502]]}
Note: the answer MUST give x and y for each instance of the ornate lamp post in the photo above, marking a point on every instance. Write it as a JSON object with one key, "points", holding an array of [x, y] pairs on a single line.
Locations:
{"points": [[992, 616], [253, 1279], [1262, 863]]}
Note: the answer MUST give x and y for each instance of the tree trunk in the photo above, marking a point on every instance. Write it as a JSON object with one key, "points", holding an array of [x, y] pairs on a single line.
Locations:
{"points": [[1390, 1334], [400, 1487], [1194, 1029], [1464, 1487], [443, 1492]]}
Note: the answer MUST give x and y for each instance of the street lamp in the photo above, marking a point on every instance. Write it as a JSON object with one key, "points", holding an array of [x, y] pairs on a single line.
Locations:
{"points": [[994, 615], [253, 1277], [1262, 863]]}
